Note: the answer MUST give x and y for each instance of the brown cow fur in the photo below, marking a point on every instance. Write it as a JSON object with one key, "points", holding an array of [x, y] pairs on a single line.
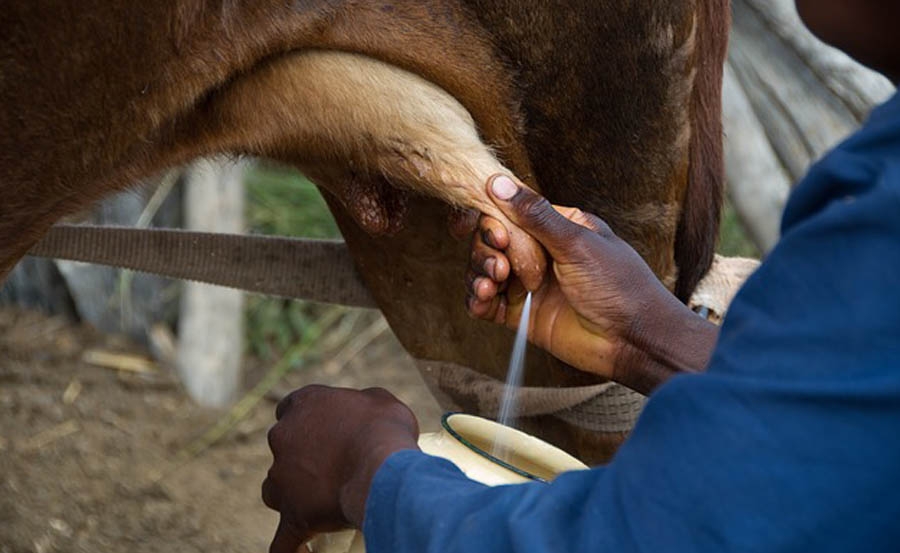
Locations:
{"points": [[703, 199], [612, 106]]}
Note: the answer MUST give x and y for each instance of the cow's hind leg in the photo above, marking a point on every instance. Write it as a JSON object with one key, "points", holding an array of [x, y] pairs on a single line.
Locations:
{"points": [[360, 127]]}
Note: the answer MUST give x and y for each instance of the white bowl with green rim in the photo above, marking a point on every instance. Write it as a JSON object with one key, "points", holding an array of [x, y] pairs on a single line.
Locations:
{"points": [[467, 442]]}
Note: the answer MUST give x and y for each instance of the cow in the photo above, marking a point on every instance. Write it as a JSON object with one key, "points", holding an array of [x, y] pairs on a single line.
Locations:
{"points": [[399, 110]]}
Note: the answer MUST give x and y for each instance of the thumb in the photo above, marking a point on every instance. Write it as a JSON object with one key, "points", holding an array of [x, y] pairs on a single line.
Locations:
{"points": [[287, 539], [535, 215]]}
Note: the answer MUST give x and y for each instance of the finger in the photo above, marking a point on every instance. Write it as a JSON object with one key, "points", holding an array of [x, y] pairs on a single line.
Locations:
{"points": [[482, 288], [488, 261], [514, 300], [470, 279], [493, 310], [485, 289], [493, 232], [516, 292], [287, 538], [491, 264], [535, 215], [500, 314]]}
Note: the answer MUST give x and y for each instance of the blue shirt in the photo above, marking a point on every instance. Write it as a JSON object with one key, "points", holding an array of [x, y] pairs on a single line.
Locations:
{"points": [[790, 441]]}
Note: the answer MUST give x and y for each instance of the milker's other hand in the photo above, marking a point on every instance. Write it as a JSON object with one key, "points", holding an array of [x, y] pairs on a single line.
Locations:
{"points": [[600, 308], [327, 446]]}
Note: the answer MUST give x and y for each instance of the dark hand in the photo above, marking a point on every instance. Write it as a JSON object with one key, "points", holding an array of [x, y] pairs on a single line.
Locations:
{"points": [[598, 309], [327, 445]]}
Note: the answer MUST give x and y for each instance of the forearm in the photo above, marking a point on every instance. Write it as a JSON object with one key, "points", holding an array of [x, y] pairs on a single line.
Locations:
{"points": [[421, 503], [666, 339]]}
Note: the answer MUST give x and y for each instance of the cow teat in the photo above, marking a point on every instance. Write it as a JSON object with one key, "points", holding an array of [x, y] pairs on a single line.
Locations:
{"points": [[377, 207]]}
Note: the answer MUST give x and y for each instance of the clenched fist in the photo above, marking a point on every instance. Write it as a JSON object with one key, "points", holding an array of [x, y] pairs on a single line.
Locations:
{"points": [[327, 445]]}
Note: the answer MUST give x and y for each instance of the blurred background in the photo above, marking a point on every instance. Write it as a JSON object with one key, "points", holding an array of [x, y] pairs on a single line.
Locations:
{"points": [[133, 409]]}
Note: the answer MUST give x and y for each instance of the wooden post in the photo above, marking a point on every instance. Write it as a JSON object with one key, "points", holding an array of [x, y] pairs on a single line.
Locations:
{"points": [[211, 324]]}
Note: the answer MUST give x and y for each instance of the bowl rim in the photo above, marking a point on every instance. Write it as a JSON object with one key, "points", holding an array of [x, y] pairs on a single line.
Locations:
{"points": [[445, 423]]}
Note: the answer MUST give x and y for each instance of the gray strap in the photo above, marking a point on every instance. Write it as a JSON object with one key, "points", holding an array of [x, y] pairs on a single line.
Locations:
{"points": [[607, 408], [316, 270]]}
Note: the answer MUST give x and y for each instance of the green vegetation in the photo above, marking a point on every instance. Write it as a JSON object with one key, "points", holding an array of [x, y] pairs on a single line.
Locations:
{"points": [[283, 202], [733, 240]]}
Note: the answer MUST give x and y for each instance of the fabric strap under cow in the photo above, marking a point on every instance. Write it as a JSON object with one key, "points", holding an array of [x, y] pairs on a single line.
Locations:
{"points": [[317, 270], [323, 270]]}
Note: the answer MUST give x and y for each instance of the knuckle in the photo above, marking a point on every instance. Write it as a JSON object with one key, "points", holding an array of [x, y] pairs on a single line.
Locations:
{"points": [[379, 393], [298, 397], [312, 389], [284, 406], [274, 437], [308, 394], [269, 497]]}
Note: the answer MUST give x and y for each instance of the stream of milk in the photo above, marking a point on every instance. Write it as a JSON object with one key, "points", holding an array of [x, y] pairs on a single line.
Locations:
{"points": [[513, 376]]}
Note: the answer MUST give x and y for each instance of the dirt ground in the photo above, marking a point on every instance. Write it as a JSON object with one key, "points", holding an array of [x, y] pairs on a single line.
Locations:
{"points": [[90, 457]]}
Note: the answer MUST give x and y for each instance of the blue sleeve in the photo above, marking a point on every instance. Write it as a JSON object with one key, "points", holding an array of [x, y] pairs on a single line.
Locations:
{"points": [[789, 442]]}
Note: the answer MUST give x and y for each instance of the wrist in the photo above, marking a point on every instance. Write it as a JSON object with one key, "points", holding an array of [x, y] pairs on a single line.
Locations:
{"points": [[355, 492], [665, 338]]}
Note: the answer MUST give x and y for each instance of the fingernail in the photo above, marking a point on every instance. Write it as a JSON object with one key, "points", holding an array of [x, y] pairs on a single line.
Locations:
{"points": [[488, 238], [504, 188]]}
